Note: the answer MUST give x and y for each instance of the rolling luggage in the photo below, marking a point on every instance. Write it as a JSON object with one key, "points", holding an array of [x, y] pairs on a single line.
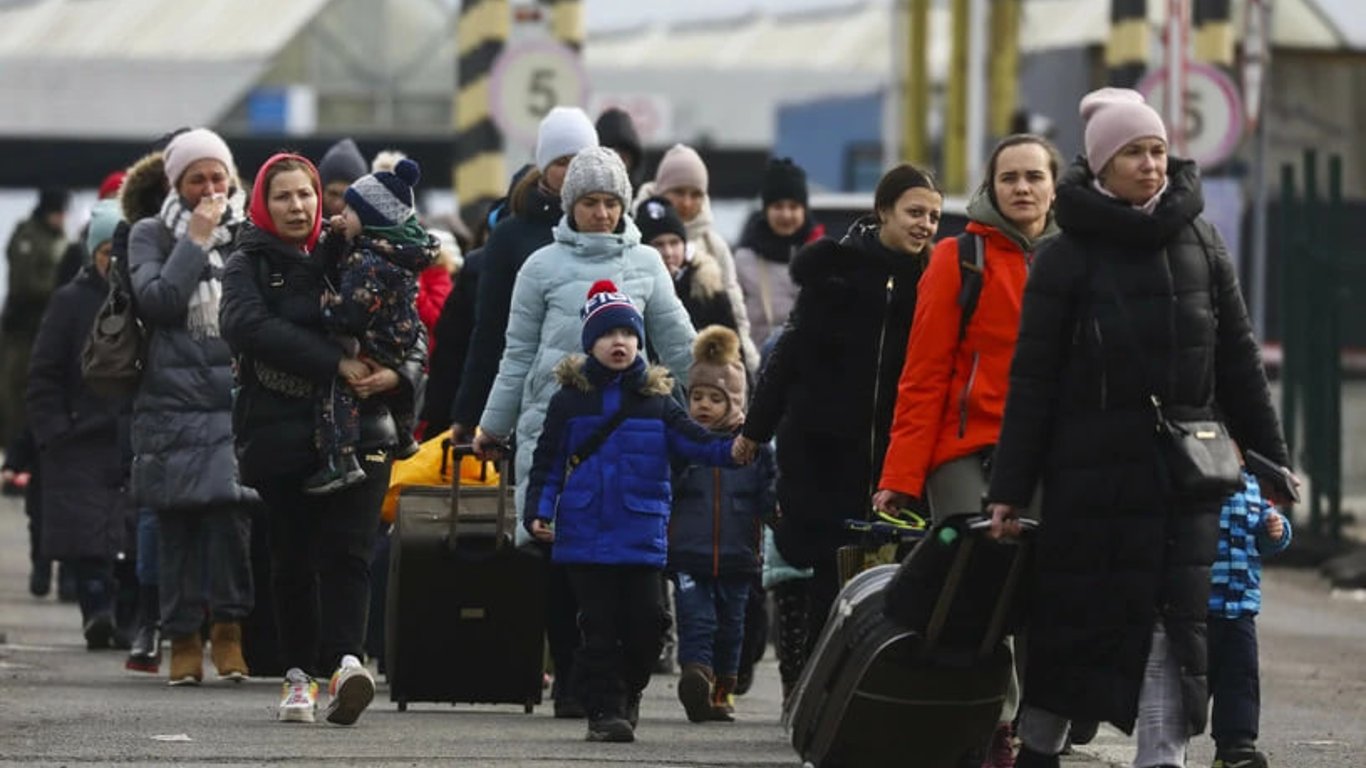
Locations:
{"points": [[878, 693], [466, 607]]}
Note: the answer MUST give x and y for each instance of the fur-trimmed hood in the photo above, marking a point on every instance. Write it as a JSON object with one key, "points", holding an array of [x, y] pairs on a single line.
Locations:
{"points": [[144, 188], [654, 381], [707, 280]]}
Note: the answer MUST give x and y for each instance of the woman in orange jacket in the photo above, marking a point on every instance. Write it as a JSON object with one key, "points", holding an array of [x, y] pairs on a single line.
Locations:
{"points": [[952, 393]]}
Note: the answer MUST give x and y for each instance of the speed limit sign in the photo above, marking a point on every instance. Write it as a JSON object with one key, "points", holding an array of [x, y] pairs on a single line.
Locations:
{"points": [[1213, 111], [528, 80]]}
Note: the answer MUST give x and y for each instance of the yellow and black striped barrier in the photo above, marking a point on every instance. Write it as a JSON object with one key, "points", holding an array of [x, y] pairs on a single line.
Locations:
{"points": [[1126, 52], [566, 22], [1213, 23], [479, 174]]}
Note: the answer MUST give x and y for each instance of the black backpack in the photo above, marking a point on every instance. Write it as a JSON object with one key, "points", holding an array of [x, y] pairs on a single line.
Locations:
{"points": [[971, 264]]}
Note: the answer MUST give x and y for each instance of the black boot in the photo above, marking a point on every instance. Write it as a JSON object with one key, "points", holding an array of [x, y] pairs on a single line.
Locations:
{"points": [[40, 578], [1028, 758], [145, 653], [67, 589]]}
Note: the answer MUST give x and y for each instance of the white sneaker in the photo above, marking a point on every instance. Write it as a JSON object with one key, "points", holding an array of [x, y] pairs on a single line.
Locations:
{"points": [[298, 698], [350, 692]]}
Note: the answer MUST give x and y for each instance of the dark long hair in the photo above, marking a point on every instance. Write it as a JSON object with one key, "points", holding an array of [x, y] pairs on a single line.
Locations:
{"points": [[1055, 162], [895, 182]]}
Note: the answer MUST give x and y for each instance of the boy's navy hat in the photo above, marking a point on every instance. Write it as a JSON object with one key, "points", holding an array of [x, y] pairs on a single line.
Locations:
{"points": [[655, 217], [384, 198], [606, 309]]}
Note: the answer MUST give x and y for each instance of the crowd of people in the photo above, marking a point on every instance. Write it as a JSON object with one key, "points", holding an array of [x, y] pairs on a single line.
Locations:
{"points": [[691, 425]]}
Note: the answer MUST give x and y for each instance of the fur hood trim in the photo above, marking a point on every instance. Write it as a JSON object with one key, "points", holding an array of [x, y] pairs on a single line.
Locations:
{"points": [[706, 276], [569, 373], [144, 189]]}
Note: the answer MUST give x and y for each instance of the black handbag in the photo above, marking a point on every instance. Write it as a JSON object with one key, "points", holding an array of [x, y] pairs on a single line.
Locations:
{"points": [[1197, 459]]}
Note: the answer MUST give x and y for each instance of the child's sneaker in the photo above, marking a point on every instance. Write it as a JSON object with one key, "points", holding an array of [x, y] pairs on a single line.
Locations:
{"points": [[723, 699], [694, 692], [610, 729], [299, 698], [350, 692], [340, 473], [1243, 758]]}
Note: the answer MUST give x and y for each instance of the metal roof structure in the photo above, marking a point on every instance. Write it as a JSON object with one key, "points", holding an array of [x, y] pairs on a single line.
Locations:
{"points": [[135, 67]]}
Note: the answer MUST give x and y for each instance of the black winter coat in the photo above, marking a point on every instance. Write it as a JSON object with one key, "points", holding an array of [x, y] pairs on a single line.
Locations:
{"points": [[829, 386], [512, 241], [1115, 554], [272, 320], [80, 435], [454, 326]]}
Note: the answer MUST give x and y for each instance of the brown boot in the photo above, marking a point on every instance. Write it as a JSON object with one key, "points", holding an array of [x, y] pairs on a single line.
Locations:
{"points": [[187, 660], [722, 708], [225, 640], [694, 691]]}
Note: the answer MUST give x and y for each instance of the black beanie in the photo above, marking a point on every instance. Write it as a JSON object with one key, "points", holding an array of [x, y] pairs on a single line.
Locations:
{"points": [[783, 180], [52, 200], [617, 131], [657, 217]]}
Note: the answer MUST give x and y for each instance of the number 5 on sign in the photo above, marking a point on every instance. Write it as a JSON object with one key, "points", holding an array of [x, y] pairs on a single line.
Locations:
{"points": [[1213, 111], [528, 80]]}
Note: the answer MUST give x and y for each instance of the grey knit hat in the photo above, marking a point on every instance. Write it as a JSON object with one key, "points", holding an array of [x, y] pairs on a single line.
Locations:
{"points": [[595, 169]]}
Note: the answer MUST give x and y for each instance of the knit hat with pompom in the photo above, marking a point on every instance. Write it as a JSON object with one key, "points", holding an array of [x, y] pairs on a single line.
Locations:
{"points": [[385, 199], [716, 363], [607, 309]]}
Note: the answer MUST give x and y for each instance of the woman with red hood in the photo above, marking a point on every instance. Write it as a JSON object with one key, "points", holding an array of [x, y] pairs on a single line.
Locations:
{"points": [[320, 545]]}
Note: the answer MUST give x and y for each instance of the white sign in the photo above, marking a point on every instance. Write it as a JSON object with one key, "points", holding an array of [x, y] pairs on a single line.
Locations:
{"points": [[652, 114], [527, 81], [1214, 112]]}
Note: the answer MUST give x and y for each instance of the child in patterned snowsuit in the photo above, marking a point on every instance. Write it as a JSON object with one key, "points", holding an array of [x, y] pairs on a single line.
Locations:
{"points": [[374, 308]]}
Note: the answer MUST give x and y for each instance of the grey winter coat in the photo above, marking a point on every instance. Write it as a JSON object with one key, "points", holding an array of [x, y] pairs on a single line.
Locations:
{"points": [[182, 413]]}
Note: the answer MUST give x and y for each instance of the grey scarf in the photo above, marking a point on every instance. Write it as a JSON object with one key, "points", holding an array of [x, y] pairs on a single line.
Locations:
{"points": [[201, 317]]}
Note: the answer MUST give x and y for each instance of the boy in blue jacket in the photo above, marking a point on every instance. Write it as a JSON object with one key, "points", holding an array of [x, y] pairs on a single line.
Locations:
{"points": [[715, 535], [1247, 526], [609, 504]]}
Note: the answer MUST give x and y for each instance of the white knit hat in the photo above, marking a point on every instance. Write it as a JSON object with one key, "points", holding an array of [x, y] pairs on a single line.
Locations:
{"points": [[563, 132], [596, 169], [191, 146]]}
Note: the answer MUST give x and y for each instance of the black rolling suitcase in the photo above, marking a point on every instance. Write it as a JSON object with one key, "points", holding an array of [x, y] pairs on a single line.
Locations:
{"points": [[466, 608], [878, 693]]}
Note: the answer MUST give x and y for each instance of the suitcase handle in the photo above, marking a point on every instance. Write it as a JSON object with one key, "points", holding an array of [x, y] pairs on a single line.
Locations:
{"points": [[977, 524], [502, 536]]}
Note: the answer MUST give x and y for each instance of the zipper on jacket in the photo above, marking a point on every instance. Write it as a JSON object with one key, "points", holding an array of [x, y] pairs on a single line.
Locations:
{"points": [[1100, 354], [877, 383], [716, 523], [967, 390]]}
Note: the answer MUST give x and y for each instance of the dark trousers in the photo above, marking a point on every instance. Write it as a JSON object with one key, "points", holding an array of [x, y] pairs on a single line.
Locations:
{"points": [[205, 566], [1234, 681], [793, 600], [621, 622], [824, 588], [320, 550], [711, 619], [561, 627]]}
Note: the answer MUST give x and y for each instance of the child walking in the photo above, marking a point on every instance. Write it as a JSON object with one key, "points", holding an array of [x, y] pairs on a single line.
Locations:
{"points": [[1248, 528], [715, 535], [374, 308], [599, 489]]}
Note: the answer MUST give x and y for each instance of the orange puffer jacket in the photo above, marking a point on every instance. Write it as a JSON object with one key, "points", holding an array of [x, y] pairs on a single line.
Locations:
{"points": [[951, 397]]}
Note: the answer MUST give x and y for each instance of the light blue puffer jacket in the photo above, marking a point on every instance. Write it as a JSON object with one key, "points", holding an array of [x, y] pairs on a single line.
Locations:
{"points": [[544, 326]]}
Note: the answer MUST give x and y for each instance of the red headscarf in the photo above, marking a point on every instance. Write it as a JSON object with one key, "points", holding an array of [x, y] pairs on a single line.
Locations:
{"points": [[259, 212]]}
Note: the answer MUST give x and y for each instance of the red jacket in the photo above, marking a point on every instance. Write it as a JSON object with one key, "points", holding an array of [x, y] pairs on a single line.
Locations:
{"points": [[951, 397], [433, 286]]}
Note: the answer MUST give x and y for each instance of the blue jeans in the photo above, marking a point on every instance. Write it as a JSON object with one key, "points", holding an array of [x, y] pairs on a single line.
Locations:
{"points": [[711, 619]]}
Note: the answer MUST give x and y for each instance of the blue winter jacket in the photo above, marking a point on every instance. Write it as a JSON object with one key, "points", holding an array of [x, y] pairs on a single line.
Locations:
{"points": [[613, 509], [1237, 572], [717, 523]]}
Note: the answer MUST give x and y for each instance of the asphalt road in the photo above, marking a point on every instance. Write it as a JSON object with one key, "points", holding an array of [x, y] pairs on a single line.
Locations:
{"points": [[61, 705]]}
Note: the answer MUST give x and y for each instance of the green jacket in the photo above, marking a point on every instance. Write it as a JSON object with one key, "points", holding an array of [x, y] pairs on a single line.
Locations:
{"points": [[33, 254]]}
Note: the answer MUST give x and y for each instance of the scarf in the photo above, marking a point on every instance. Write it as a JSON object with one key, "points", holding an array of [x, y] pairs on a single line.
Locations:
{"points": [[201, 318], [1148, 207]]}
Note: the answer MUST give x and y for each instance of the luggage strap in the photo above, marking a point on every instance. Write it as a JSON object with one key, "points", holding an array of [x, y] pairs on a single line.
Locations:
{"points": [[941, 607], [998, 616]]}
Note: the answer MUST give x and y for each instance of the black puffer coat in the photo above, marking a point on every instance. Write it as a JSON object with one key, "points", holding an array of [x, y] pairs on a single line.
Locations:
{"points": [[1114, 553], [829, 386], [272, 319], [80, 434]]}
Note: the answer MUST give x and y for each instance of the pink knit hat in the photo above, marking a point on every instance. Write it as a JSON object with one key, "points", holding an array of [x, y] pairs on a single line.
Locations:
{"points": [[1114, 117], [681, 166], [190, 146]]}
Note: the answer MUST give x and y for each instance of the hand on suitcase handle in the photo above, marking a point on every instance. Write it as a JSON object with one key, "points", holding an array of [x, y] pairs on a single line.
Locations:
{"points": [[1004, 521]]}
